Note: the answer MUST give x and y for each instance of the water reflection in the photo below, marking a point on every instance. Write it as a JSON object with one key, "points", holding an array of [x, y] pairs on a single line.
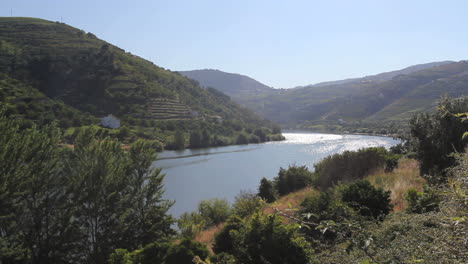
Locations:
{"points": [[222, 172]]}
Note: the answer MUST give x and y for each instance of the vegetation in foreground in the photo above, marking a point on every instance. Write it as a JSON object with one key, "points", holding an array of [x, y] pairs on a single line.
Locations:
{"points": [[387, 210], [100, 203]]}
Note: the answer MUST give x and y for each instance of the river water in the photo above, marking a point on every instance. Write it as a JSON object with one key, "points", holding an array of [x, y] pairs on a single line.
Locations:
{"points": [[222, 172]]}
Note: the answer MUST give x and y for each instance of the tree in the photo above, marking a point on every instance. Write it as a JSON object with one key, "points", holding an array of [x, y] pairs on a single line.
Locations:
{"points": [[434, 136], [179, 140], [205, 138], [184, 252], [246, 204], [147, 220], [266, 191], [292, 179], [214, 211], [367, 200], [263, 239], [195, 139]]}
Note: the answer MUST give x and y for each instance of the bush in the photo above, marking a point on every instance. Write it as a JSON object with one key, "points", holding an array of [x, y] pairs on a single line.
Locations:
{"points": [[266, 191], [292, 179], [264, 239], [242, 139], [224, 240], [436, 135], [184, 252], [152, 253], [316, 204], [191, 224], [422, 202], [120, 256], [246, 204], [222, 258], [348, 166], [214, 211], [366, 199]]}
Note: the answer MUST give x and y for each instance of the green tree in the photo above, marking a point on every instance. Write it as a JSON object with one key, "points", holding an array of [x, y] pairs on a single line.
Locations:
{"points": [[191, 224], [214, 211], [367, 200], [184, 252], [195, 139], [205, 138], [264, 239], [434, 136], [292, 179], [179, 140], [266, 191], [246, 204]]}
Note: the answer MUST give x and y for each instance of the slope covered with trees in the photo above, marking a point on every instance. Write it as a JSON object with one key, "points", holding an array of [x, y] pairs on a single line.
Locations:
{"points": [[50, 70], [380, 103]]}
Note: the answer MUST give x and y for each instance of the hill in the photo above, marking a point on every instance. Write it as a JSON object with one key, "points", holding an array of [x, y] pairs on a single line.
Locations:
{"points": [[385, 76], [60, 64], [362, 106], [235, 85]]}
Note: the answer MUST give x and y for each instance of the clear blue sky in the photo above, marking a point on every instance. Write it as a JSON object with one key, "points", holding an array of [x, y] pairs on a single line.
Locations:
{"points": [[282, 43]]}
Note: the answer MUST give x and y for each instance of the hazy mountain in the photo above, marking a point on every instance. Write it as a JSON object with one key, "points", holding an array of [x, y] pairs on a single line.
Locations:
{"points": [[385, 76], [235, 85], [396, 99]]}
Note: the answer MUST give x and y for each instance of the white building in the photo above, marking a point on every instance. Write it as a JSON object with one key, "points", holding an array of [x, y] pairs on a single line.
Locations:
{"points": [[110, 121]]}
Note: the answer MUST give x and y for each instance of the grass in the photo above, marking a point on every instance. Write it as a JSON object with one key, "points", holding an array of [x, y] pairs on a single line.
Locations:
{"points": [[404, 177], [207, 236]]}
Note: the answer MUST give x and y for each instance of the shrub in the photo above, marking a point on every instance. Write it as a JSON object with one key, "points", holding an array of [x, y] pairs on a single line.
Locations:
{"points": [[184, 252], [120, 256], [222, 258], [436, 135], [224, 240], [266, 191], [152, 253], [316, 204], [366, 199], [214, 211], [246, 204], [191, 224], [292, 179], [422, 202], [242, 139], [348, 166], [266, 239]]}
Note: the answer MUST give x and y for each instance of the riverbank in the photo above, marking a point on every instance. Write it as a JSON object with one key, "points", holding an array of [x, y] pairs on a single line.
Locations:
{"points": [[193, 175]]}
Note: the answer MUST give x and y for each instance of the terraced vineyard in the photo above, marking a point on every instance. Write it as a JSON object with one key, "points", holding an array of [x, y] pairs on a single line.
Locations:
{"points": [[169, 109]]}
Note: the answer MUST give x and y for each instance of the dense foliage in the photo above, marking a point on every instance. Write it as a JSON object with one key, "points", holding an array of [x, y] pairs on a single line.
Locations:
{"points": [[434, 136], [348, 166], [61, 205], [367, 199], [263, 239], [292, 179]]}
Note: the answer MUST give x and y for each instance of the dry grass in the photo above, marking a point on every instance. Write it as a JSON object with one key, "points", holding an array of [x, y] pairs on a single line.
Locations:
{"points": [[290, 201], [207, 236], [406, 176]]}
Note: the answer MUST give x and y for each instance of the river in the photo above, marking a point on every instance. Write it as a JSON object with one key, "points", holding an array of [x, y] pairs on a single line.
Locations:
{"points": [[222, 172]]}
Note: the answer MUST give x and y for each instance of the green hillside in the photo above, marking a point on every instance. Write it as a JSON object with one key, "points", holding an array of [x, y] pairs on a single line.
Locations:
{"points": [[363, 106], [62, 65]]}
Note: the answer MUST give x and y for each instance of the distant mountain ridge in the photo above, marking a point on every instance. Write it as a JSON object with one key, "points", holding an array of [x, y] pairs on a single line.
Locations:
{"points": [[385, 76], [382, 99], [232, 84]]}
